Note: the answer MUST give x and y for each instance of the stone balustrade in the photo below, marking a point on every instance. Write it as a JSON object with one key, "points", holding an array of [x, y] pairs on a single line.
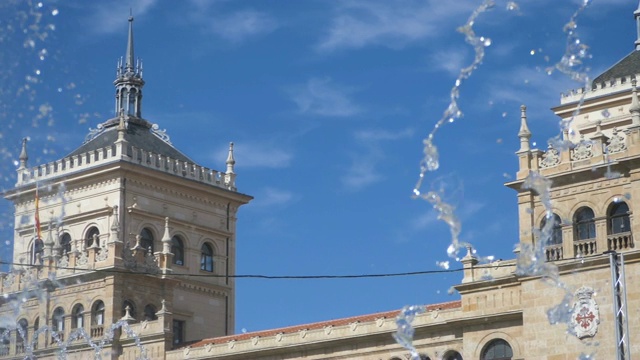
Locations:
{"points": [[620, 241], [131, 154], [554, 252], [585, 247], [604, 87]]}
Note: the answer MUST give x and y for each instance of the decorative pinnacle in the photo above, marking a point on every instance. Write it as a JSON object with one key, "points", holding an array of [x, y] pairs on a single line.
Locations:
{"points": [[635, 104], [129, 57], [230, 160], [524, 128], [636, 15], [23, 154], [166, 238], [524, 134]]}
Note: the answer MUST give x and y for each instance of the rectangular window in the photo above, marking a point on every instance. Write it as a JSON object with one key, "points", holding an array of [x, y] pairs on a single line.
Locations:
{"points": [[178, 332]]}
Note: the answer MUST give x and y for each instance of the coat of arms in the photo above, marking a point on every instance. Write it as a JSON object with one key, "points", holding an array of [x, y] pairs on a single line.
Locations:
{"points": [[585, 317]]}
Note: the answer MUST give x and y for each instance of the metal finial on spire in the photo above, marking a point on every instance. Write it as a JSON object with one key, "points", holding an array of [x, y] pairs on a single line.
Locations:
{"points": [[129, 65], [23, 154], [230, 160]]}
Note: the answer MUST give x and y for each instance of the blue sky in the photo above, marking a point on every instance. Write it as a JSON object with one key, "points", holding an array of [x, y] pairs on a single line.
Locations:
{"points": [[327, 103]]}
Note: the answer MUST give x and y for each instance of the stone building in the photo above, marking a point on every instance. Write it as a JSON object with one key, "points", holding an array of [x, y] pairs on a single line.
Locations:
{"points": [[126, 216], [556, 299], [129, 231]]}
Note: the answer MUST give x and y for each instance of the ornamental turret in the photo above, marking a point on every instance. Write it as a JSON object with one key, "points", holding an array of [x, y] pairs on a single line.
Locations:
{"points": [[129, 81]]}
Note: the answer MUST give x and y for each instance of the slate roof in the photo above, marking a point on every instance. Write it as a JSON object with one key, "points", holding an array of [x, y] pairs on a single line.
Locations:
{"points": [[138, 134], [629, 65]]}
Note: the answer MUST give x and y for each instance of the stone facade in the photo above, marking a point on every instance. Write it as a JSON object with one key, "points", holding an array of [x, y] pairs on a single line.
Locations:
{"points": [[135, 245], [136, 248]]}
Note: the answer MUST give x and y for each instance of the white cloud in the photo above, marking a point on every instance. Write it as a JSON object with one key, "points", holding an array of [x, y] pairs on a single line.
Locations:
{"points": [[255, 155], [111, 17], [273, 197], [360, 174], [243, 24], [234, 27], [323, 97], [363, 169], [424, 220], [450, 60], [359, 23], [378, 134], [529, 86]]}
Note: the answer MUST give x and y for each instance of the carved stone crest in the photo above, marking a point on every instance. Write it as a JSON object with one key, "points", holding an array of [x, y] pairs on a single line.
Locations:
{"points": [[585, 317], [550, 158], [582, 151]]}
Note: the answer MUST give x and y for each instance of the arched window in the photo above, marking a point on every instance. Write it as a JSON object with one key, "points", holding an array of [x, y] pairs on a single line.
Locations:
{"points": [[22, 336], [497, 349], [584, 224], [5, 341], [177, 249], [57, 323], [93, 232], [37, 251], [132, 308], [452, 355], [556, 230], [150, 312], [77, 317], [618, 218], [36, 326], [131, 108], [97, 313], [65, 243], [146, 239], [206, 258]]}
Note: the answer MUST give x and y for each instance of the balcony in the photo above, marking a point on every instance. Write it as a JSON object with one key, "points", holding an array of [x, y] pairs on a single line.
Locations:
{"points": [[620, 241], [585, 247], [554, 252]]}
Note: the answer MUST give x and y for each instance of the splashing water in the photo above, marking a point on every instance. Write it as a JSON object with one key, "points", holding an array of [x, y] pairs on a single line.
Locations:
{"points": [[404, 334], [531, 260]]}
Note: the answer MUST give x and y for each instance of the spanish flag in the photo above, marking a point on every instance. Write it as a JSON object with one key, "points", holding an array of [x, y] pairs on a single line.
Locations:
{"points": [[37, 215]]}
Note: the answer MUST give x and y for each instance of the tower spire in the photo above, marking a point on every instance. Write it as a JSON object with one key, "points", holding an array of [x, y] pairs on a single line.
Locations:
{"points": [[129, 82], [129, 65], [636, 15]]}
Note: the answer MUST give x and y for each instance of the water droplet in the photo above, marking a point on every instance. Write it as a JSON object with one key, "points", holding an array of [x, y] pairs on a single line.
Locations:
{"points": [[534, 143], [504, 114], [605, 113], [487, 42], [512, 6], [54, 12], [532, 52]]}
